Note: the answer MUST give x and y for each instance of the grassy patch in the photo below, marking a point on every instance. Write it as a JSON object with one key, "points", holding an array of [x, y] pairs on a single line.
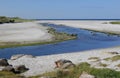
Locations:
{"points": [[77, 71], [108, 33], [114, 58], [58, 37], [112, 52], [93, 58], [4, 19], [102, 64], [18, 20], [9, 75], [72, 73], [114, 22]]}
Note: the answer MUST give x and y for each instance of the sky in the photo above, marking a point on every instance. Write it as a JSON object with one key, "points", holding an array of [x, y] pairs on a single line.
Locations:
{"points": [[61, 9]]}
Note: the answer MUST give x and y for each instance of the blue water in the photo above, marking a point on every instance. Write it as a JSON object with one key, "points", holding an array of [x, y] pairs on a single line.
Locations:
{"points": [[86, 40]]}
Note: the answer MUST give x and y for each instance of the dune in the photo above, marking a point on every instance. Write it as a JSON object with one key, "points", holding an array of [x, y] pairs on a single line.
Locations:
{"points": [[24, 32]]}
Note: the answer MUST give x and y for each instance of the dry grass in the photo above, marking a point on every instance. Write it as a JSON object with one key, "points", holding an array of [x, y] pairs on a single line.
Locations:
{"points": [[114, 58]]}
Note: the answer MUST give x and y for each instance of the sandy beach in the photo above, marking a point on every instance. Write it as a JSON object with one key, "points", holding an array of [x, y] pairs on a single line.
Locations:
{"points": [[24, 32], [90, 25], [60, 39], [42, 64]]}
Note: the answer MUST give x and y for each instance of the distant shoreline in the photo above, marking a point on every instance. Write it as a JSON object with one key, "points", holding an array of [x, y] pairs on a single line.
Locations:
{"points": [[83, 19], [99, 26]]}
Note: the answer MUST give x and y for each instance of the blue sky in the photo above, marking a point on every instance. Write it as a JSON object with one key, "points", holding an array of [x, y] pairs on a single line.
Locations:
{"points": [[61, 9]]}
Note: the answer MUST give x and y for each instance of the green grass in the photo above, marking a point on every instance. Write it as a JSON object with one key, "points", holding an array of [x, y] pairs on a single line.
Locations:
{"points": [[114, 58], [9, 75], [77, 71], [4, 19], [114, 22], [93, 58], [18, 20], [108, 33], [58, 37], [71, 73], [102, 64]]}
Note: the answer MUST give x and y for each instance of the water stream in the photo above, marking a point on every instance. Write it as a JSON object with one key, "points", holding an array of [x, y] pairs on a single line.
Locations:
{"points": [[86, 40]]}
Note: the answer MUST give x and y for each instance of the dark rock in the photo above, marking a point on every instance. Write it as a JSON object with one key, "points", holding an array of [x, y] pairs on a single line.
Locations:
{"points": [[21, 68], [9, 69], [64, 64], [114, 53], [4, 62], [67, 65]]}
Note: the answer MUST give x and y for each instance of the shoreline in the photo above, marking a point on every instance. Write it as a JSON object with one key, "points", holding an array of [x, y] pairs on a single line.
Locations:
{"points": [[19, 34], [93, 25], [46, 63], [42, 64]]}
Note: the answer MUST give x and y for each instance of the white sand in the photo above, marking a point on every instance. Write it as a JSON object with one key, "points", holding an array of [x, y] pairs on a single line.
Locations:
{"points": [[91, 25], [21, 32], [42, 64]]}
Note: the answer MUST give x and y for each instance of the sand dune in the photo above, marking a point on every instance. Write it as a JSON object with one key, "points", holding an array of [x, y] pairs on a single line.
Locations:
{"points": [[20, 32]]}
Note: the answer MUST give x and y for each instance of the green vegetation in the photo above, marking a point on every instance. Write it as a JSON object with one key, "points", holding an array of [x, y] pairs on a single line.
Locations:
{"points": [[71, 73], [4, 19], [108, 33], [105, 23], [9, 75], [61, 35], [103, 65], [92, 58], [58, 37], [114, 22], [82, 67], [114, 58]]}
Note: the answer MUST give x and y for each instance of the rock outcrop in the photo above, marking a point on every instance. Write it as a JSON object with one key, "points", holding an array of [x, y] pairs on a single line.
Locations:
{"points": [[9, 69], [64, 64], [4, 62], [5, 66], [21, 68]]}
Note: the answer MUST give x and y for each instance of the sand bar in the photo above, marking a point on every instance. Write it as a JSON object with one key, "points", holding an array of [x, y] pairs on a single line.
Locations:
{"points": [[23, 32], [90, 25]]}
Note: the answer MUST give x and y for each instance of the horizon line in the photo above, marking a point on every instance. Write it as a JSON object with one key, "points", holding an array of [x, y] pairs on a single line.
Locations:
{"points": [[76, 19]]}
